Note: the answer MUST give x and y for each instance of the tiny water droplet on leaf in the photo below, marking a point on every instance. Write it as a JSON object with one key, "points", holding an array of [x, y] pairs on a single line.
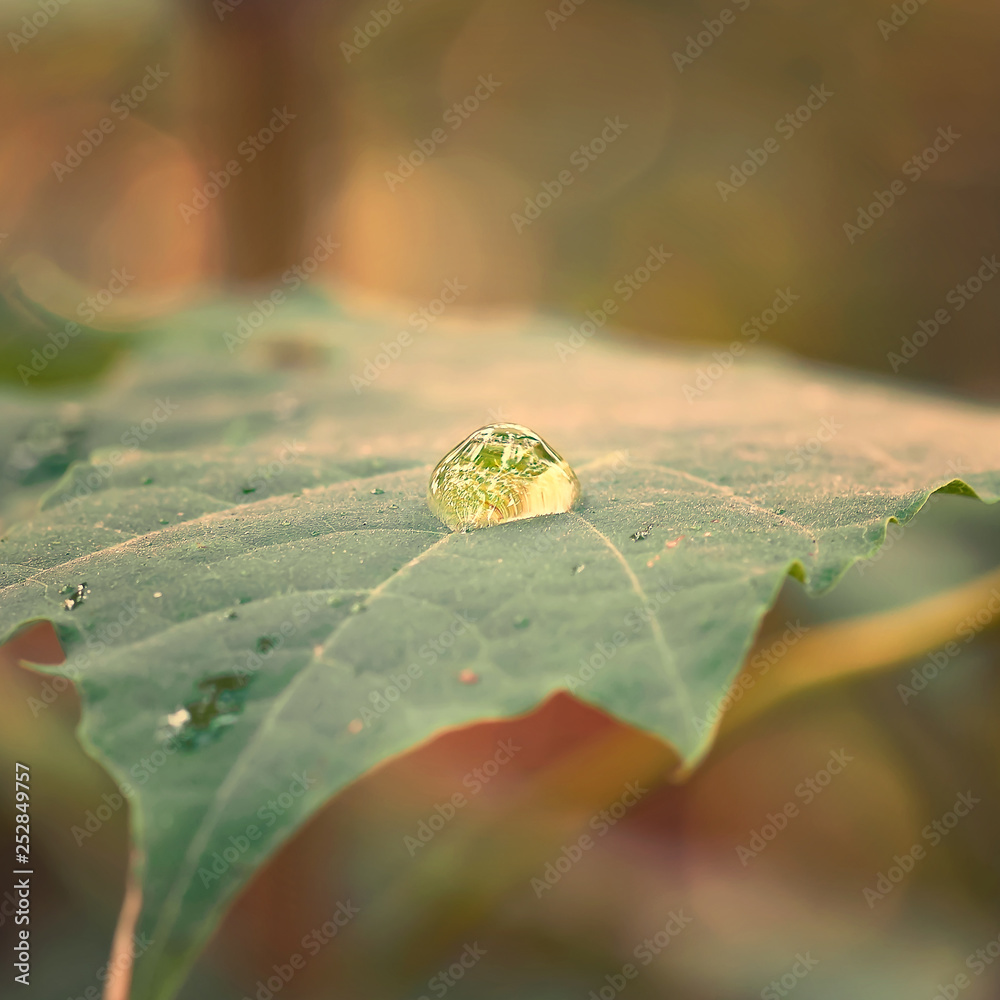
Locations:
{"points": [[75, 595], [642, 533], [522, 622], [501, 472], [203, 719], [377, 492]]}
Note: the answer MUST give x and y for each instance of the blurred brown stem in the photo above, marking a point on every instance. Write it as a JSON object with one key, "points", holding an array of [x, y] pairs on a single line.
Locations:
{"points": [[246, 60]]}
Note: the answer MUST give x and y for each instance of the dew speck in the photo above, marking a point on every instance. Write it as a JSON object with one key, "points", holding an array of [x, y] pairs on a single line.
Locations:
{"points": [[74, 596], [501, 472], [522, 622], [358, 608], [179, 719], [468, 676], [377, 492], [641, 534], [158, 593], [579, 568], [163, 520], [203, 719], [148, 481]]}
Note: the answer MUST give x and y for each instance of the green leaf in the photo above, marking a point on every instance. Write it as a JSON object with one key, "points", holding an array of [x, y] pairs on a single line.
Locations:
{"points": [[41, 349], [293, 595]]}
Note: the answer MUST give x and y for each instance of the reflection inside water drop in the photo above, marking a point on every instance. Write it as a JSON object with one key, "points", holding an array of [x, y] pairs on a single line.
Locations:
{"points": [[501, 472]]}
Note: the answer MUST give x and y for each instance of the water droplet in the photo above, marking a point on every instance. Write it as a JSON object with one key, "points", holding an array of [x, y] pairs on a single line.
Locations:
{"points": [[163, 520], [501, 472], [203, 719], [74, 595], [522, 622], [357, 608], [148, 481], [468, 676], [642, 533], [579, 568], [158, 594], [232, 616], [377, 492]]}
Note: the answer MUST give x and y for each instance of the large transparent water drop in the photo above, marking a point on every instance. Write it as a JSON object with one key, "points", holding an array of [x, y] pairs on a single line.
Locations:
{"points": [[501, 472]]}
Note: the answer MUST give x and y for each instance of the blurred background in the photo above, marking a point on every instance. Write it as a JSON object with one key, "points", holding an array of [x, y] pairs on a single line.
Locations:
{"points": [[396, 149], [155, 155]]}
